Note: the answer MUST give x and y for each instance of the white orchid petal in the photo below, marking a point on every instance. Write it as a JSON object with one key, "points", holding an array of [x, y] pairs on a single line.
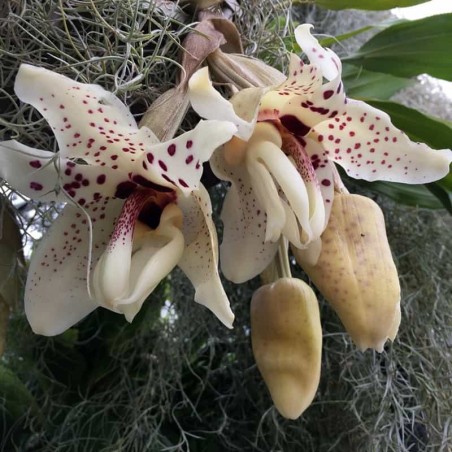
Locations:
{"points": [[324, 173], [178, 163], [112, 274], [30, 171], [265, 157], [155, 254], [328, 62], [244, 253], [210, 104], [86, 119], [297, 149], [56, 295], [366, 144], [200, 259]]}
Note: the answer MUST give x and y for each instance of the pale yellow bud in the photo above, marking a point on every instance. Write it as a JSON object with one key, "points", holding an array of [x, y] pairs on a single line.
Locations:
{"points": [[356, 273], [287, 343]]}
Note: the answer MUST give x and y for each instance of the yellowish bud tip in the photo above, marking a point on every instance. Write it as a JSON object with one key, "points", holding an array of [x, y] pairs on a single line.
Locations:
{"points": [[287, 343]]}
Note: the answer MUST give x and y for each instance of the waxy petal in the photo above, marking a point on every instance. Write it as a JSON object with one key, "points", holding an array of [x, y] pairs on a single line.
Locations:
{"points": [[244, 253], [155, 253], [56, 295], [134, 262], [264, 160], [83, 117], [30, 171], [324, 173], [210, 104], [200, 259], [296, 148], [325, 59], [366, 144], [178, 162]]}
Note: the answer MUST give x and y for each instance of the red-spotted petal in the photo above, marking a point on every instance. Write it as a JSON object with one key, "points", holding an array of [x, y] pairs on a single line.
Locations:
{"points": [[325, 59], [31, 172], [200, 259], [137, 257], [85, 118], [366, 144], [210, 104], [178, 163], [244, 252], [56, 295]]}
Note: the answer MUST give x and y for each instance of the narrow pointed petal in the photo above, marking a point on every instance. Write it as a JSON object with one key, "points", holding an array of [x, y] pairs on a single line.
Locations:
{"points": [[210, 104], [30, 171], [300, 150], [325, 59], [178, 162], [111, 277], [56, 295], [81, 115], [200, 259], [244, 253], [155, 254], [265, 157], [87, 184], [324, 173], [366, 144]]}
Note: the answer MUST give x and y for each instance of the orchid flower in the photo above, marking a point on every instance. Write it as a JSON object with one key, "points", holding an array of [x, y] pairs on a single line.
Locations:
{"points": [[280, 162], [134, 209]]}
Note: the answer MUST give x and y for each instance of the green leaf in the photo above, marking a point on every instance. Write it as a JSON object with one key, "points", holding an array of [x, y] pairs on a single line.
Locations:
{"points": [[410, 48], [367, 4], [443, 196], [15, 399], [361, 83], [411, 195], [327, 42]]}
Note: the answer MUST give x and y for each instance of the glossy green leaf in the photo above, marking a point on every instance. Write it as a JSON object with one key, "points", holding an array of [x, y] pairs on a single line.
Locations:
{"points": [[411, 195], [329, 41], [361, 83], [410, 48], [367, 4]]}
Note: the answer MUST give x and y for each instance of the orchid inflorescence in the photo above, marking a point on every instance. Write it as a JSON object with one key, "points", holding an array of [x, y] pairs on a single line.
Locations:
{"points": [[135, 207]]}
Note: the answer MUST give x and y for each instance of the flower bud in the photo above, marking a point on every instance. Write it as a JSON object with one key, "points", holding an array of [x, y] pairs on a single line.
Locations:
{"points": [[287, 343], [356, 273]]}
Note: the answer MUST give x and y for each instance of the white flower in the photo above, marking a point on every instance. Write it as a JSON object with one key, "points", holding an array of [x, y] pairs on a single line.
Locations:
{"points": [[135, 207], [281, 161]]}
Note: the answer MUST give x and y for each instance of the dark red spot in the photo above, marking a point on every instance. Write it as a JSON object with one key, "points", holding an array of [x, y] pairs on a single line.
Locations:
{"points": [[189, 159], [183, 183], [140, 180], [326, 182], [114, 157], [125, 189], [171, 149], [36, 186], [294, 125], [101, 179], [35, 164], [150, 157], [163, 165], [328, 94], [189, 144]]}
